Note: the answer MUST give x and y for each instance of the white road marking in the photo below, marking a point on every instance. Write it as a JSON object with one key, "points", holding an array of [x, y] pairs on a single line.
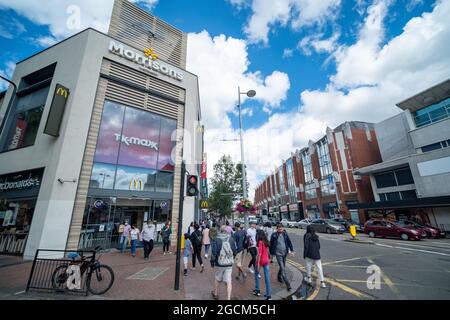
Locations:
{"points": [[421, 246], [411, 249]]}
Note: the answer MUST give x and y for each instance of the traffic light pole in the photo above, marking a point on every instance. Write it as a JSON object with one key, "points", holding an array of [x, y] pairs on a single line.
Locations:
{"points": [[180, 227]]}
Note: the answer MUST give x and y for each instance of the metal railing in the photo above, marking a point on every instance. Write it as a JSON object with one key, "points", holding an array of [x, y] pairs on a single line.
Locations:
{"points": [[48, 265]]}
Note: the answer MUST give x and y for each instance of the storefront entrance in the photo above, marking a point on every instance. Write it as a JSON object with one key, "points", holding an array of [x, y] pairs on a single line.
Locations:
{"points": [[103, 217]]}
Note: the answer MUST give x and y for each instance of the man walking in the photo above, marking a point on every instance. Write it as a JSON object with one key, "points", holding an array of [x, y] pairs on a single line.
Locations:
{"points": [[223, 251], [196, 239], [148, 236], [240, 239], [125, 235], [280, 246], [251, 238]]}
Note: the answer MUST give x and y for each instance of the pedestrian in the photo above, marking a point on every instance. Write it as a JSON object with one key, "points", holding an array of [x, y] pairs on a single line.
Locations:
{"points": [[312, 255], [191, 228], [240, 238], [269, 231], [213, 231], [124, 229], [187, 252], [223, 252], [148, 237], [251, 239], [262, 262], [196, 239], [228, 228], [134, 238], [166, 231], [206, 240], [280, 246]]}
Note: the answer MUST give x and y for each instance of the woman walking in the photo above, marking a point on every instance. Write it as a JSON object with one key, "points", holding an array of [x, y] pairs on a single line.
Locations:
{"points": [[206, 240], [187, 252], [134, 238], [165, 233], [312, 255], [196, 240], [262, 262]]}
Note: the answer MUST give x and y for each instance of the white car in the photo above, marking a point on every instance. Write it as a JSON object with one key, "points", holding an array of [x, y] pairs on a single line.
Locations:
{"points": [[288, 224], [302, 224]]}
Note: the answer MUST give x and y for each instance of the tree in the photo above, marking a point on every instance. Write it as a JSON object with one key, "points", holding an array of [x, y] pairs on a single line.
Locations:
{"points": [[226, 186]]}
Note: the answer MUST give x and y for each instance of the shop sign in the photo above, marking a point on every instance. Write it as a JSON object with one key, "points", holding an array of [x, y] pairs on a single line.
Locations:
{"points": [[136, 141], [203, 204], [147, 60], [283, 209], [163, 204], [18, 181], [99, 204], [293, 207], [136, 184], [19, 133]]}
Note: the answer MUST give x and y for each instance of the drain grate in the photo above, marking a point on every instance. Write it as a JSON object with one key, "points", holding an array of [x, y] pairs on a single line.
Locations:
{"points": [[150, 273]]}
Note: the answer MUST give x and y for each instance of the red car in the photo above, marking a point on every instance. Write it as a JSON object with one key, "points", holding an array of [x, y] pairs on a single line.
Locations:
{"points": [[431, 232], [388, 229]]}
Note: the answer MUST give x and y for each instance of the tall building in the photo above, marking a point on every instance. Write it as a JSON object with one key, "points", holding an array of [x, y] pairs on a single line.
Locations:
{"points": [[96, 134], [413, 181], [318, 180]]}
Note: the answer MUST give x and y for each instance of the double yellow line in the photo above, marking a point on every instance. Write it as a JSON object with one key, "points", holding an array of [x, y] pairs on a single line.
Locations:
{"points": [[329, 281]]}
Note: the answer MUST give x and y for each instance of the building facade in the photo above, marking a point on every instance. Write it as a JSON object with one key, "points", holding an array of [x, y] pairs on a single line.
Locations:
{"points": [[413, 180], [96, 135], [318, 179]]}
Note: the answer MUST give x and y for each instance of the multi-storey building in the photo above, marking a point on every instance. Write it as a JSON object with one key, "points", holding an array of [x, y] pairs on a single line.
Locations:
{"points": [[413, 181], [318, 180], [93, 136]]}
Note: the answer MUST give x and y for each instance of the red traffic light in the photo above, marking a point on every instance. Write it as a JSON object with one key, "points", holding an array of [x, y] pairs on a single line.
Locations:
{"points": [[193, 180]]}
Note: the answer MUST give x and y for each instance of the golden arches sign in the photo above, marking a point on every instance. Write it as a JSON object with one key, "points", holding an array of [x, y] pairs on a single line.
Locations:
{"points": [[203, 204], [136, 184], [62, 92]]}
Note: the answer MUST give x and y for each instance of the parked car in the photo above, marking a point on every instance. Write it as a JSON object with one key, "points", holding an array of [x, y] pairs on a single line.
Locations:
{"points": [[431, 231], [347, 223], [328, 226], [375, 228], [287, 223], [302, 224]]}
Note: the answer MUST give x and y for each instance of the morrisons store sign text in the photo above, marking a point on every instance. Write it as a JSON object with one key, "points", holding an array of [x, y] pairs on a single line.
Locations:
{"points": [[147, 62]]}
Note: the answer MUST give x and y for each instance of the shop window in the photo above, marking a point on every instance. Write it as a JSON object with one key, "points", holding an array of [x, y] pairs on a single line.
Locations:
{"points": [[310, 191], [102, 176], [164, 182], [24, 129], [135, 179]]}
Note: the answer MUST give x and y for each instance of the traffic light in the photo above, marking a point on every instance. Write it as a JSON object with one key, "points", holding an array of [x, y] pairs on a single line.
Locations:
{"points": [[192, 186]]}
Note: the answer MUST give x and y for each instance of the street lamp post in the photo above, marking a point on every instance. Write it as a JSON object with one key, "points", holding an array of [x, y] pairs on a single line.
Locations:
{"points": [[250, 94]]}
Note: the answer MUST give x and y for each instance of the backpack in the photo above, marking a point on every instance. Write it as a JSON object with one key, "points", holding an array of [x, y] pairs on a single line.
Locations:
{"points": [[196, 239], [226, 257], [245, 242]]}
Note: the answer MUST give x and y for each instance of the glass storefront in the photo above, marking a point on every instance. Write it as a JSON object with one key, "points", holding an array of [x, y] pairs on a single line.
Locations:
{"points": [[133, 166], [18, 194]]}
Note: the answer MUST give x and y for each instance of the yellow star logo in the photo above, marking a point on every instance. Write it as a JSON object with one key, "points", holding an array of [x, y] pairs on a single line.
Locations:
{"points": [[150, 53]]}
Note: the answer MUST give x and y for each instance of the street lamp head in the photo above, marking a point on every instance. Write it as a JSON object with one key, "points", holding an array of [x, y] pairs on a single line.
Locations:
{"points": [[251, 93]]}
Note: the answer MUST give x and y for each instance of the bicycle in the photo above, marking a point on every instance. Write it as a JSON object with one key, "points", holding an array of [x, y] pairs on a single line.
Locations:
{"points": [[66, 277]]}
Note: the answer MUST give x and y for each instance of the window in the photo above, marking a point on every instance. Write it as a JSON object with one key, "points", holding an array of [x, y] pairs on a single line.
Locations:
{"points": [[384, 180], [394, 196], [307, 167], [394, 178], [327, 188], [432, 113], [281, 180], [135, 179], [102, 176], [410, 194], [431, 147], [324, 158], [310, 191], [164, 182], [291, 181]]}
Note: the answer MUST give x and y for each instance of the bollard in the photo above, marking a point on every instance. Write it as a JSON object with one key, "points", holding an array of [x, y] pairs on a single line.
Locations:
{"points": [[353, 231]]}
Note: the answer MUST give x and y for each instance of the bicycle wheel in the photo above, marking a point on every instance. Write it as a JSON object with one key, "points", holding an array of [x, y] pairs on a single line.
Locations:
{"points": [[59, 277], [101, 279]]}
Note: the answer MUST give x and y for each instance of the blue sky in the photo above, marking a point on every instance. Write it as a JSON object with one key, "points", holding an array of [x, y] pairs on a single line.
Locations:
{"points": [[313, 63]]}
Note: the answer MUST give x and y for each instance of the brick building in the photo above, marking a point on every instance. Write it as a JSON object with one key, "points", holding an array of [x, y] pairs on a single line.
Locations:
{"points": [[318, 180]]}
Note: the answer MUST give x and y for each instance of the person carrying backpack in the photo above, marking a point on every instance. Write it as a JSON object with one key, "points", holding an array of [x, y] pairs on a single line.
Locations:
{"points": [[240, 237], [223, 252], [196, 239]]}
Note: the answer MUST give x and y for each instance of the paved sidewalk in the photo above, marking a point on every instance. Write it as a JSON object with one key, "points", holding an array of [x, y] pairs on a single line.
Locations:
{"points": [[138, 279]]}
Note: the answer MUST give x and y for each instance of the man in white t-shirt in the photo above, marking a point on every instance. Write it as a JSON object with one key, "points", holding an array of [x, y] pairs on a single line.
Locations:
{"points": [[251, 239], [148, 236]]}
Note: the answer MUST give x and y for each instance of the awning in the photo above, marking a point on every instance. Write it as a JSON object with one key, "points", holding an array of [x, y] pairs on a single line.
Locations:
{"points": [[443, 201]]}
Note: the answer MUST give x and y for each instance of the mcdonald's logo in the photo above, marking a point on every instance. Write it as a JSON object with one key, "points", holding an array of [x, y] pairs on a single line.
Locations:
{"points": [[136, 184], [62, 92], [204, 204]]}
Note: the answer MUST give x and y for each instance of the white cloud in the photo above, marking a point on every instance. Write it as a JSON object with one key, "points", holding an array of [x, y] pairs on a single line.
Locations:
{"points": [[11, 28], [239, 4], [319, 45], [287, 53], [412, 4], [300, 13], [46, 41], [67, 17]]}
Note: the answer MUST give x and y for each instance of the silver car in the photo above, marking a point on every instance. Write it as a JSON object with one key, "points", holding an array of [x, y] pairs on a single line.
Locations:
{"points": [[302, 224]]}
